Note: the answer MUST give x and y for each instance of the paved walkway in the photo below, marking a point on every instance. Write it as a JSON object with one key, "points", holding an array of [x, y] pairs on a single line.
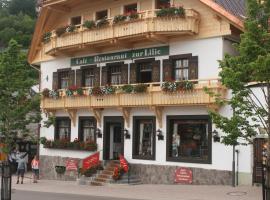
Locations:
{"points": [[153, 192]]}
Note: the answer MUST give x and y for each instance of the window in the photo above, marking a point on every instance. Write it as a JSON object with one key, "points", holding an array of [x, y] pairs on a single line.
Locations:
{"points": [[132, 8], [102, 15], [88, 77], [162, 4], [76, 20], [63, 128], [87, 127], [63, 80], [181, 69], [189, 139], [145, 72], [115, 75], [144, 138]]}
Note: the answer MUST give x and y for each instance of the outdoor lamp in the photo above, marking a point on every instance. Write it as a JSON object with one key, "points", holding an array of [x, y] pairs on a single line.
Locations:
{"points": [[160, 135], [98, 133], [216, 136], [126, 134]]}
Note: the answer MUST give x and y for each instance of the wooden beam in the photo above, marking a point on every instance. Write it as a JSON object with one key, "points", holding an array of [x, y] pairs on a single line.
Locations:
{"points": [[157, 38], [121, 44], [158, 112], [72, 115], [126, 115], [97, 115], [62, 9]]}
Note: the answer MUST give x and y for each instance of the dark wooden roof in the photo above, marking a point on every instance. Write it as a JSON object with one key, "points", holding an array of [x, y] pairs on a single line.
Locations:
{"points": [[235, 7]]}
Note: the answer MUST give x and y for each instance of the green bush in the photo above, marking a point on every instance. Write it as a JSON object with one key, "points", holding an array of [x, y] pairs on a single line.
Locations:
{"points": [[71, 28], [47, 37], [102, 22], [90, 24], [60, 31], [127, 89], [171, 12], [141, 88], [119, 18]]}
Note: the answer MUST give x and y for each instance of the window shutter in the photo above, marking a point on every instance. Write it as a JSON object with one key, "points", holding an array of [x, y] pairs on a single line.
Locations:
{"points": [[124, 74], [97, 75], [156, 71], [55, 85], [133, 73], [79, 78], [71, 77], [105, 75], [167, 70], [193, 68]]}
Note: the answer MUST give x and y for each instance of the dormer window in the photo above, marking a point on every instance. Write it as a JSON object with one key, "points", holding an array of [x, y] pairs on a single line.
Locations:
{"points": [[102, 15], [132, 8], [76, 20], [162, 4]]}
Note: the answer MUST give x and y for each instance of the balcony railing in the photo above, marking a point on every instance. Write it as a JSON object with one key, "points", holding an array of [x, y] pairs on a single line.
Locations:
{"points": [[147, 23], [153, 97]]}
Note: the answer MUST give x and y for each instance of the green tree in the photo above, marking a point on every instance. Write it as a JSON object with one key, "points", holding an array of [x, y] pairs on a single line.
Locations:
{"points": [[18, 106], [27, 7], [252, 65]]}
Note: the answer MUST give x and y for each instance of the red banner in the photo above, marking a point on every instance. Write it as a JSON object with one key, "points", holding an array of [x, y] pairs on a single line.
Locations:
{"points": [[123, 163], [183, 175], [91, 161], [72, 165]]}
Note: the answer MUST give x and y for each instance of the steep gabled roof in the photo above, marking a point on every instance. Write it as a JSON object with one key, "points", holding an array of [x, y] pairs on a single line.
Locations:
{"points": [[235, 7]]}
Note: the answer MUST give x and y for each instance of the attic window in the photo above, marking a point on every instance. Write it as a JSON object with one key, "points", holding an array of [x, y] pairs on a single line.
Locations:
{"points": [[162, 4], [132, 8], [102, 15], [76, 20]]}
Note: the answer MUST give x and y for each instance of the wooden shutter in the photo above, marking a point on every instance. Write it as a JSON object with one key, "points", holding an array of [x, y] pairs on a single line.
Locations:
{"points": [[124, 74], [133, 73], [97, 75], [156, 71], [105, 75], [71, 75], [193, 68], [167, 70], [55, 85], [79, 78]]}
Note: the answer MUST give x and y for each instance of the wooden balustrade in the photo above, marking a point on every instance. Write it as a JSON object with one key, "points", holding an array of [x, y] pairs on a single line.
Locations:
{"points": [[147, 23], [153, 97]]}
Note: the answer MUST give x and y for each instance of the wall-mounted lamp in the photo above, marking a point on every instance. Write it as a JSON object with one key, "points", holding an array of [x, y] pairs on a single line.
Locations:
{"points": [[98, 133], [160, 135], [126, 134], [216, 136]]}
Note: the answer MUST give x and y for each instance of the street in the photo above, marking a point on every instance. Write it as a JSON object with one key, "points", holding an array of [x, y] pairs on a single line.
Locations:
{"points": [[27, 195]]}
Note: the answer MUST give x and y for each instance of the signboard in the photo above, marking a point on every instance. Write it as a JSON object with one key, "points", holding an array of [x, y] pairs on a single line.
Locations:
{"points": [[183, 175], [91, 161], [125, 55], [72, 165]]}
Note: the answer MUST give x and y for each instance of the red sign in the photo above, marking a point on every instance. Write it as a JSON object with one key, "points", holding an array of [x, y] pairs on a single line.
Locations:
{"points": [[72, 165], [91, 161], [183, 175]]}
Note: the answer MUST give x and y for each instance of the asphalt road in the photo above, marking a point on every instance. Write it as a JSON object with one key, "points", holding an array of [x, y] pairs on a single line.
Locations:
{"points": [[25, 195]]}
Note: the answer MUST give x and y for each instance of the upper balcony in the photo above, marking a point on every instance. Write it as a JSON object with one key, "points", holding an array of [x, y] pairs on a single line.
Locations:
{"points": [[147, 27]]}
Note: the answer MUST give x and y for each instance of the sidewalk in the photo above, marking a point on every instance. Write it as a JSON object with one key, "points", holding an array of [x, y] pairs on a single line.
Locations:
{"points": [[153, 192]]}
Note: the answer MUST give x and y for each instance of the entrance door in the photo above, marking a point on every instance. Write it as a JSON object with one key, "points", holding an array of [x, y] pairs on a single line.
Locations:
{"points": [[113, 138], [257, 170]]}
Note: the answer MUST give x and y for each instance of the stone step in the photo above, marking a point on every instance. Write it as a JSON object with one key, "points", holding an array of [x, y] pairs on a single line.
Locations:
{"points": [[104, 176], [107, 172], [96, 183], [103, 180]]}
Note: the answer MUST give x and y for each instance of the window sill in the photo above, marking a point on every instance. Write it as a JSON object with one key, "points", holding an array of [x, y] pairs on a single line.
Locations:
{"points": [[71, 149], [187, 160], [143, 157]]}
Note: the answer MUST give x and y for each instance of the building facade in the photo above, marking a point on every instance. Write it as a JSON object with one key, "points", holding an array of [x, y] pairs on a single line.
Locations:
{"points": [[125, 77]]}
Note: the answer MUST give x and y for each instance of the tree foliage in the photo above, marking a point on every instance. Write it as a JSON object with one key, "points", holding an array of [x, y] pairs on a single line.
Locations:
{"points": [[238, 72], [17, 21], [18, 106]]}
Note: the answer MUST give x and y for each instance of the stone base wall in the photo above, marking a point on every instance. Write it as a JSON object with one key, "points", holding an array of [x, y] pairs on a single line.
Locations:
{"points": [[156, 174], [47, 168]]}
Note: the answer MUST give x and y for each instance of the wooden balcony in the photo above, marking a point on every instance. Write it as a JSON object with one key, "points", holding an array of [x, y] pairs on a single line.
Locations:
{"points": [[153, 97], [147, 27]]}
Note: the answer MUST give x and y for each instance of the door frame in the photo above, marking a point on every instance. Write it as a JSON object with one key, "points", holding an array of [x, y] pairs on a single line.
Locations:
{"points": [[106, 139], [257, 159]]}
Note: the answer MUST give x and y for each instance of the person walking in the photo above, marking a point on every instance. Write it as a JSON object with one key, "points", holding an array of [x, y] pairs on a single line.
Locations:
{"points": [[35, 169], [22, 167]]}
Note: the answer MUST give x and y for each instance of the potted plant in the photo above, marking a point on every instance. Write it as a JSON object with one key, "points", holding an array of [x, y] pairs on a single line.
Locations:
{"points": [[70, 28], [108, 89], [170, 86], [54, 94], [89, 24], [189, 85], [72, 90], [96, 91], [60, 169], [102, 22], [46, 93], [171, 12], [60, 31], [47, 37], [140, 88], [132, 15], [80, 91], [119, 18], [127, 89]]}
